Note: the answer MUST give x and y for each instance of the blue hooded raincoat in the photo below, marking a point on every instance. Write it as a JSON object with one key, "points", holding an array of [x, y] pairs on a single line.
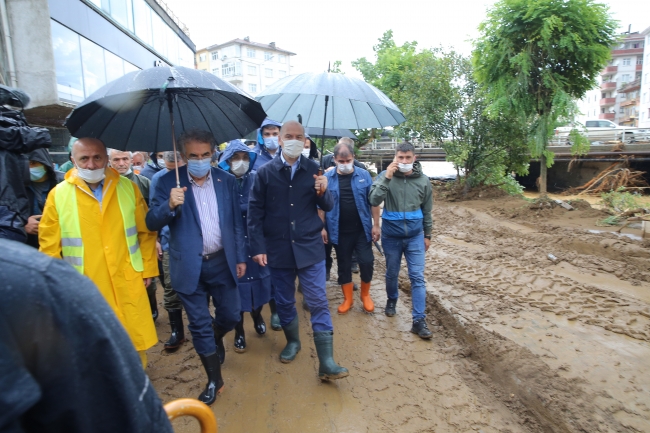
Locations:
{"points": [[263, 155]]}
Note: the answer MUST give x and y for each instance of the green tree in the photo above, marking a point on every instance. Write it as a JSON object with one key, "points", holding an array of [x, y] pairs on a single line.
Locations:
{"points": [[535, 57], [336, 67]]}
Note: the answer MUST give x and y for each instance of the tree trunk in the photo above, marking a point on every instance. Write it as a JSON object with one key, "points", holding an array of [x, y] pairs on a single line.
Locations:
{"points": [[542, 175]]}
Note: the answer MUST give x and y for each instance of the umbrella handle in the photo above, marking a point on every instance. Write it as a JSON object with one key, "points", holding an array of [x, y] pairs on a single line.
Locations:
{"points": [[321, 191]]}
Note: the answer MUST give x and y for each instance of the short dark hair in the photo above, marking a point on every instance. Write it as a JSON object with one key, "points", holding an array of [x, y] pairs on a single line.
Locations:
{"points": [[405, 146], [343, 148], [269, 126], [197, 135]]}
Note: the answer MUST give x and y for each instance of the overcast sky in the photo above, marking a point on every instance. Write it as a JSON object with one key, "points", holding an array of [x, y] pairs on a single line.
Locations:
{"points": [[321, 31]]}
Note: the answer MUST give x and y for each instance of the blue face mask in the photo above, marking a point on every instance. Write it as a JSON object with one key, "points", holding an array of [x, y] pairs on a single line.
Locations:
{"points": [[271, 142], [199, 167], [36, 173]]}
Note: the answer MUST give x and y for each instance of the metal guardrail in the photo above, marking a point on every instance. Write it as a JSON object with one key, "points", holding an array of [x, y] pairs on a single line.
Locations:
{"points": [[626, 135]]}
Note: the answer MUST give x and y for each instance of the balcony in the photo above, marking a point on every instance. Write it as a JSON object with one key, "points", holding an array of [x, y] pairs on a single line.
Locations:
{"points": [[629, 51], [606, 102], [630, 87], [607, 116], [629, 102], [609, 70], [608, 85], [639, 68]]}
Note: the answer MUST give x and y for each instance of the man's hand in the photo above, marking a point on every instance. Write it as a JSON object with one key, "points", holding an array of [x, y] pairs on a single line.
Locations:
{"points": [[32, 224], [392, 168], [241, 269], [260, 259], [147, 281], [320, 184], [323, 233], [177, 197], [427, 244], [159, 250], [376, 233]]}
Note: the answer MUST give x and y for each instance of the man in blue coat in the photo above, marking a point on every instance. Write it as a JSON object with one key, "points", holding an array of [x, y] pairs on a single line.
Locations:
{"points": [[255, 285], [267, 142], [206, 248], [284, 230]]}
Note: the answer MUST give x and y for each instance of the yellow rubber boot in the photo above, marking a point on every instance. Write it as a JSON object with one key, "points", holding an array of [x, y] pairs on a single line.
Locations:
{"points": [[368, 305], [349, 300]]}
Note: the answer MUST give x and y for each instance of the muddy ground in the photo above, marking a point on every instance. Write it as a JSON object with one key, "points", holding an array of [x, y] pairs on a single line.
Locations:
{"points": [[541, 324]]}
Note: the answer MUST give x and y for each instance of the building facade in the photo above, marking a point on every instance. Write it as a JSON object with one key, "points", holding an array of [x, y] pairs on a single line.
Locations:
{"points": [[644, 99], [61, 51], [617, 97], [251, 66]]}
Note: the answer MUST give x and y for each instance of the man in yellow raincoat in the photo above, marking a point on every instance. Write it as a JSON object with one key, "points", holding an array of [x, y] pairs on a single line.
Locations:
{"points": [[94, 220]]}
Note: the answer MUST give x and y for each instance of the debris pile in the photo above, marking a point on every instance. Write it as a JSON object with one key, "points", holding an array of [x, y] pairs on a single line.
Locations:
{"points": [[616, 177]]}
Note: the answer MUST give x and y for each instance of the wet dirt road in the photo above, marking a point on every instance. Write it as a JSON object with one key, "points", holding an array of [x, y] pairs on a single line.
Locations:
{"points": [[521, 343]]}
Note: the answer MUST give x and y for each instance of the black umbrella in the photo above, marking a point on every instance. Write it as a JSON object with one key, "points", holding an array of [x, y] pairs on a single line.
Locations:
{"points": [[149, 109]]}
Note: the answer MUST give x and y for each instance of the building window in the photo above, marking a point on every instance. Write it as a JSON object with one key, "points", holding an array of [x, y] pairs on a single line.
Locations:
{"points": [[626, 62], [622, 110], [252, 88], [639, 60], [252, 70], [268, 55], [201, 57], [215, 55], [282, 58], [231, 69], [215, 71], [250, 53], [268, 73]]}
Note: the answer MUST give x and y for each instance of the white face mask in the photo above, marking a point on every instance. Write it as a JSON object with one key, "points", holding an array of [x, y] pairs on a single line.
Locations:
{"points": [[271, 143], [346, 168], [91, 176], [239, 168], [305, 153], [405, 168], [161, 163], [292, 148]]}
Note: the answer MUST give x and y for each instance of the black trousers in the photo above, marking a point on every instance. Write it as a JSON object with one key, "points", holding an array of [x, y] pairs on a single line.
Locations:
{"points": [[349, 244]]}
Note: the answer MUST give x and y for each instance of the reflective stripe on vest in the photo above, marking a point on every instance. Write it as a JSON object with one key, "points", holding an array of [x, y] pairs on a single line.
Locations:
{"points": [[71, 241]]}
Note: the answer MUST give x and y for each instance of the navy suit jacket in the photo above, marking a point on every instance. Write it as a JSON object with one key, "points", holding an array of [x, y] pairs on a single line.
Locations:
{"points": [[283, 220], [186, 238]]}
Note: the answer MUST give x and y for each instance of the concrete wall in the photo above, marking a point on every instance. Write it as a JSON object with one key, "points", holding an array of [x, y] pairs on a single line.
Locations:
{"points": [[31, 39]]}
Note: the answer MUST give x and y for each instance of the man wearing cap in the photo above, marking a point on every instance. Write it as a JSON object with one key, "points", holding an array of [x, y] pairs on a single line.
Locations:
{"points": [[95, 220]]}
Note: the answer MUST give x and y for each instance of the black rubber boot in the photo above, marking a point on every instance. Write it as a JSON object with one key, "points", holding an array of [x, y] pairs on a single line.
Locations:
{"points": [[275, 319], [291, 332], [151, 294], [328, 369], [240, 336], [258, 321], [178, 333], [218, 341], [215, 381]]}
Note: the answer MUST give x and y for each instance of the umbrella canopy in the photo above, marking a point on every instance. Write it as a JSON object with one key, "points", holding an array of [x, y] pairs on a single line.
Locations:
{"points": [[133, 112], [331, 133], [353, 103]]}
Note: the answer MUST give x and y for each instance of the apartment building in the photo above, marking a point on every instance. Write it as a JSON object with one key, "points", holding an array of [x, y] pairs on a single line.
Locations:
{"points": [[61, 51], [617, 97], [251, 66], [644, 93]]}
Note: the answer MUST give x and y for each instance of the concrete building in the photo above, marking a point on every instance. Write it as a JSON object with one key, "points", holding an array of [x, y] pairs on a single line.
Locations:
{"points": [[644, 99], [617, 96], [251, 66], [61, 51]]}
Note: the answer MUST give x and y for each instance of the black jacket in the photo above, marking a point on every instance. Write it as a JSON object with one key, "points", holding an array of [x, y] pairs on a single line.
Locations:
{"points": [[66, 362], [36, 202], [283, 220], [16, 138]]}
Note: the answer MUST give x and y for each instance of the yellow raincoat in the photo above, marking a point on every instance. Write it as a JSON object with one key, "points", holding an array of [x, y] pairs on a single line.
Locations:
{"points": [[106, 256]]}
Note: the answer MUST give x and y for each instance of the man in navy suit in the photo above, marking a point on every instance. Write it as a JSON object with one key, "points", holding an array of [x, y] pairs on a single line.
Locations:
{"points": [[206, 248], [284, 231]]}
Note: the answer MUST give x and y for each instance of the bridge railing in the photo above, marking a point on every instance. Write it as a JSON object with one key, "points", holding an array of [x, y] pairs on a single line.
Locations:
{"points": [[385, 144]]}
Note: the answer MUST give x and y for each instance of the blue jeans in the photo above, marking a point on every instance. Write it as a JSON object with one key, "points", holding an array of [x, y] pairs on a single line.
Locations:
{"points": [[413, 250], [312, 279]]}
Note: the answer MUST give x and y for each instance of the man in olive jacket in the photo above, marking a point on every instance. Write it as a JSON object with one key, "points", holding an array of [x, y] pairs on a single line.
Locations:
{"points": [[406, 228]]}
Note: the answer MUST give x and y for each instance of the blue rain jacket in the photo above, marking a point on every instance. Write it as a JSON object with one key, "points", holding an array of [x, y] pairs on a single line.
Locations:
{"points": [[263, 155]]}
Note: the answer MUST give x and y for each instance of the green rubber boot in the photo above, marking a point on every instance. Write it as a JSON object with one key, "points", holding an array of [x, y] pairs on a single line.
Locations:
{"points": [[328, 369], [275, 319], [291, 331]]}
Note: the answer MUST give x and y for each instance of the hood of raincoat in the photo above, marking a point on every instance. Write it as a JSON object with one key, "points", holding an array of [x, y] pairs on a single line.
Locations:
{"points": [[43, 156], [236, 146], [267, 122]]}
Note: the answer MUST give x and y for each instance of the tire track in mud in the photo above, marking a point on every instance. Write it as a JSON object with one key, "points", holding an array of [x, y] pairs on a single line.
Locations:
{"points": [[489, 269]]}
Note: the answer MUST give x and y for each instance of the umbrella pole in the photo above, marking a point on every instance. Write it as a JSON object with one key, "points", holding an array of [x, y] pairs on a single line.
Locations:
{"points": [[171, 122], [322, 144]]}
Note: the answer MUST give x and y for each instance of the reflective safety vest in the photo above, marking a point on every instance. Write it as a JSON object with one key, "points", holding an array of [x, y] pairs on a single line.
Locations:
{"points": [[71, 241]]}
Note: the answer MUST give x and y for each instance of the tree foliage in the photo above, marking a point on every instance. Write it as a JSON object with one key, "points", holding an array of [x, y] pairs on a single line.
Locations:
{"points": [[535, 57]]}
